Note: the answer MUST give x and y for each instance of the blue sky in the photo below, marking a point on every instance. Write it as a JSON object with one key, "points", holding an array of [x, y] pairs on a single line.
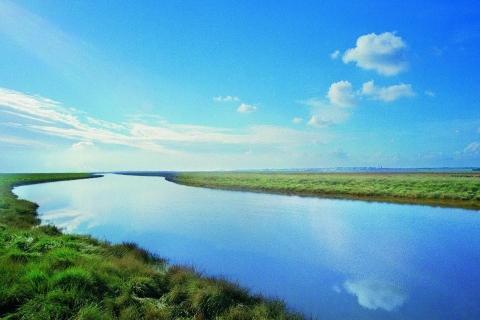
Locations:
{"points": [[185, 85]]}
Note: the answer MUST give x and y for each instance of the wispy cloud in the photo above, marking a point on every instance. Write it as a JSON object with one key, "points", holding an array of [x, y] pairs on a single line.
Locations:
{"points": [[335, 54], [338, 153], [472, 147], [387, 94], [324, 114], [150, 133], [77, 62], [25, 116], [226, 99], [106, 124], [246, 108], [51, 45], [297, 120], [384, 53], [22, 142]]}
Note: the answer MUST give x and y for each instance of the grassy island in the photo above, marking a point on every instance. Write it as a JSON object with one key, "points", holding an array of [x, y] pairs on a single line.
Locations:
{"points": [[46, 274], [449, 189]]}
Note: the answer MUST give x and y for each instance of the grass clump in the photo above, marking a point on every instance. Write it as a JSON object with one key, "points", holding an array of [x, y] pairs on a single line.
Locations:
{"points": [[45, 274]]}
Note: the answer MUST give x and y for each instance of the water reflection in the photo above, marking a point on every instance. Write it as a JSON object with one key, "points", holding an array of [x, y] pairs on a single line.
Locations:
{"points": [[331, 258], [374, 295]]}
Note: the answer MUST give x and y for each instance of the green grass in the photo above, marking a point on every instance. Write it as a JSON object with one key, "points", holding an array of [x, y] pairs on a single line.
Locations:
{"points": [[46, 274], [450, 189]]}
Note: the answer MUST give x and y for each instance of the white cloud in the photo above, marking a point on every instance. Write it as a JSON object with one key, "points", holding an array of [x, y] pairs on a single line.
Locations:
{"points": [[246, 108], [384, 53], [297, 120], [226, 99], [108, 125], [430, 93], [335, 54], [376, 295], [341, 94], [36, 108], [82, 145], [149, 133], [25, 116], [22, 142], [325, 115], [387, 94], [472, 147]]}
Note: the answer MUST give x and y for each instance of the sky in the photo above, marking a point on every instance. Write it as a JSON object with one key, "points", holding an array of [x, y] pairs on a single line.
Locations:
{"points": [[224, 85]]}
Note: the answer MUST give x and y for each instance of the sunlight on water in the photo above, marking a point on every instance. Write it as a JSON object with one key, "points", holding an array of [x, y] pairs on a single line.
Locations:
{"points": [[334, 259]]}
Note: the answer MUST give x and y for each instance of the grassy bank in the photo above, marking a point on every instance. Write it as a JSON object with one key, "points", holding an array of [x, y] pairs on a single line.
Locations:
{"points": [[45, 274], [449, 189]]}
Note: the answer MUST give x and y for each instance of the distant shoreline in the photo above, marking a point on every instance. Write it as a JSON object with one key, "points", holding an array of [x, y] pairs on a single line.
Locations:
{"points": [[455, 188]]}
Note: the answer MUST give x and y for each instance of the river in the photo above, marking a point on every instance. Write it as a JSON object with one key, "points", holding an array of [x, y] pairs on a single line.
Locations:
{"points": [[333, 259]]}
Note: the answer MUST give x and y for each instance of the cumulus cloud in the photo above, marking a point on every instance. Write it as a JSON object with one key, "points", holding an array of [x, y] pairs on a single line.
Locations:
{"points": [[297, 120], [387, 94], [335, 54], [246, 108], [384, 53], [376, 295], [472, 147], [341, 94], [226, 99]]}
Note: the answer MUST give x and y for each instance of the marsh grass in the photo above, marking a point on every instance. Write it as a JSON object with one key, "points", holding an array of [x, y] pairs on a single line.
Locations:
{"points": [[45, 274], [443, 189]]}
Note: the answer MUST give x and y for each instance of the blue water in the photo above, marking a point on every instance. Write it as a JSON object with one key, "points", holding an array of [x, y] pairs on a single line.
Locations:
{"points": [[333, 259]]}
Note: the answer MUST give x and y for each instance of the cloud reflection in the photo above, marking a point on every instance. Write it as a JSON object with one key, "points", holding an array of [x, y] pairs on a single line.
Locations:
{"points": [[67, 219], [374, 294]]}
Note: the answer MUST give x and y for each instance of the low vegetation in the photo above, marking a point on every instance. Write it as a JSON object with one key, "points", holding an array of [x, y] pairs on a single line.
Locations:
{"points": [[46, 274], [450, 189]]}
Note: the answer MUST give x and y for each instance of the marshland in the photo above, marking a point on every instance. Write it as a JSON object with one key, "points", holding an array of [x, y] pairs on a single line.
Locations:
{"points": [[316, 254]]}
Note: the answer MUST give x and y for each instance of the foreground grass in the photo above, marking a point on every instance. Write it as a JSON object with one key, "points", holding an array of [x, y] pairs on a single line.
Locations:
{"points": [[45, 274], [450, 189]]}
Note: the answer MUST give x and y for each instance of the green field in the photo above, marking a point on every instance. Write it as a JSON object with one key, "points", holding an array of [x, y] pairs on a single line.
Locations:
{"points": [[449, 189], [46, 274]]}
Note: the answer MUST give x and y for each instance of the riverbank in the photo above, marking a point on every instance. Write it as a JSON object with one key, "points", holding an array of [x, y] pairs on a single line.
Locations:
{"points": [[446, 189], [47, 274]]}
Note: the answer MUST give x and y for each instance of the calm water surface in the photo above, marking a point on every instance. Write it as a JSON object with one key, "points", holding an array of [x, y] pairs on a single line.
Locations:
{"points": [[333, 259]]}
